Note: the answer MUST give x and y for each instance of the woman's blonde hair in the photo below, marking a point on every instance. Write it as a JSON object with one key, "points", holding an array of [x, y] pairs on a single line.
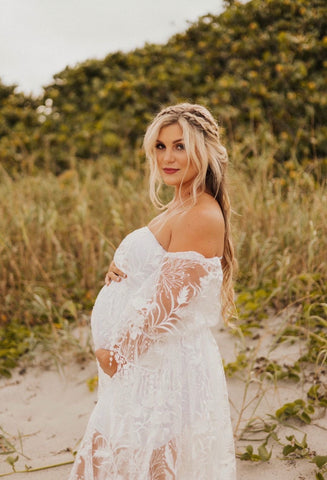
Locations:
{"points": [[202, 144]]}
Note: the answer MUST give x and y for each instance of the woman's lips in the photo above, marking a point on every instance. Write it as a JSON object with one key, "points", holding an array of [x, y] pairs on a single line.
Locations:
{"points": [[170, 170]]}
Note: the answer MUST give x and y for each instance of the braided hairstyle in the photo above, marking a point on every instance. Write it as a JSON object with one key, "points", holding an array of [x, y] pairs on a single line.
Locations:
{"points": [[202, 144]]}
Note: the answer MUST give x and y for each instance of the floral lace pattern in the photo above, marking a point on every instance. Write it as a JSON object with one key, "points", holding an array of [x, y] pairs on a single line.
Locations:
{"points": [[165, 413]]}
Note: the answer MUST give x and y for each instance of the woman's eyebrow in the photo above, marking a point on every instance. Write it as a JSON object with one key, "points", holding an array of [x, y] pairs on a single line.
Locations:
{"points": [[175, 141]]}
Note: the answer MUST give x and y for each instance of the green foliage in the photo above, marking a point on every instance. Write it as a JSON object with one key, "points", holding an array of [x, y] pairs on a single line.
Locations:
{"points": [[252, 308], [319, 476], [269, 369], [240, 363], [298, 409], [320, 460], [259, 66], [317, 394], [19, 128], [293, 449], [14, 342], [12, 460], [263, 455], [296, 446]]}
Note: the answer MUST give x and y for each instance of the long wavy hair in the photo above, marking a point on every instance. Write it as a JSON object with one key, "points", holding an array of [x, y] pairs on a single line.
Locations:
{"points": [[201, 137]]}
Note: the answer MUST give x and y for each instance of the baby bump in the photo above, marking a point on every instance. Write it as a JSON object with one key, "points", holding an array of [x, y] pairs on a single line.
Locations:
{"points": [[114, 308], [107, 313]]}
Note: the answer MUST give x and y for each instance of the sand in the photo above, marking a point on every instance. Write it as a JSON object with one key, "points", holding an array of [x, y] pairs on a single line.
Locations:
{"points": [[44, 411]]}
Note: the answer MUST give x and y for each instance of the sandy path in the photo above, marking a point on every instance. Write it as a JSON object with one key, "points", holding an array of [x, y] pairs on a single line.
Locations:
{"points": [[50, 410]]}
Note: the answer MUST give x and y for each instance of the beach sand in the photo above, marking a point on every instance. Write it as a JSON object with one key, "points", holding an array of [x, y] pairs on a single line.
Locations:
{"points": [[44, 411]]}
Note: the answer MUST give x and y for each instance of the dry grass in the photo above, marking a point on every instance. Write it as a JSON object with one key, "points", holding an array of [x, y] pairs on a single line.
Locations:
{"points": [[58, 234], [280, 224]]}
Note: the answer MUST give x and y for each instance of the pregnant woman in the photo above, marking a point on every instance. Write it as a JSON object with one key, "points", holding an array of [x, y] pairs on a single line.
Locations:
{"points": [[163, 410]]}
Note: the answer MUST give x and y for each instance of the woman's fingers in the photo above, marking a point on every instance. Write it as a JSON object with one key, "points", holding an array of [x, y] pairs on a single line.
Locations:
{"points": [[113, 268], [112, 276], [114, 273]]}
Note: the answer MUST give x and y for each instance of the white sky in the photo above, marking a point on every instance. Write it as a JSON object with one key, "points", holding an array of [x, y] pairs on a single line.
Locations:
{"points": [[38, 38]]}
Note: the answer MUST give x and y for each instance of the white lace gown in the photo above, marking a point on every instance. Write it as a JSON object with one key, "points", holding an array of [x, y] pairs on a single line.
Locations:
{"points": [[165, 414]]}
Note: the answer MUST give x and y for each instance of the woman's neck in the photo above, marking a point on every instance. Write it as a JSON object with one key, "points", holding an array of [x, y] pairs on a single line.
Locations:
{"points": [[184, 196]]}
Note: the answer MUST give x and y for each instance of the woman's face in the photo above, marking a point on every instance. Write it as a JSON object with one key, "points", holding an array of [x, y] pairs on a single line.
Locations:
{"points": [[172, 158]]}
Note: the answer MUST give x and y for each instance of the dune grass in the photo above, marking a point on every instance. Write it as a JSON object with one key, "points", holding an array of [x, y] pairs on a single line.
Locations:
{"points": [[58, 234]]}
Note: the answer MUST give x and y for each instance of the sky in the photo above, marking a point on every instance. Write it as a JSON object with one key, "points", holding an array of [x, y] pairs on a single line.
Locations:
{"points": [[38, 38]]}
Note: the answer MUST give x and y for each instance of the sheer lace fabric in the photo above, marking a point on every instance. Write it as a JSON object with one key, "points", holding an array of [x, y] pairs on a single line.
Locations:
{"points": [[165, 413]]}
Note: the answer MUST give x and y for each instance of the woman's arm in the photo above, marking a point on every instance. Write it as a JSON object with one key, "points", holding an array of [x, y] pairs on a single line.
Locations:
{"points": [[184, 273], [181, 278]]}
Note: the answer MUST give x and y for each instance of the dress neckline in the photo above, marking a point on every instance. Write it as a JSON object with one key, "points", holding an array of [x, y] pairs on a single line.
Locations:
{"points": [[185, 251]]}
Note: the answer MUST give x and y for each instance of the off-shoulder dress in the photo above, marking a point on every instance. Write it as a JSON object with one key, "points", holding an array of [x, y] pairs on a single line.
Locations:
{"points": [[165, 414]]}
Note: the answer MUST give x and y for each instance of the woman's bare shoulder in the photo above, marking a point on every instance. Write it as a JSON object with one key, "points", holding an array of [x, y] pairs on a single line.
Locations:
{"points": [[201, 229]]}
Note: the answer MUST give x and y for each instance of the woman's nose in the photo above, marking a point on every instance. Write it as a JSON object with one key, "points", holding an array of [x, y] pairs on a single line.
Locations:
{"points": [[168, 155]]}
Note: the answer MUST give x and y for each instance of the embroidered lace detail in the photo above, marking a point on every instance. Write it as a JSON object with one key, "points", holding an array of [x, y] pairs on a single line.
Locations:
{"points": [[165, 413], [183, 277]]}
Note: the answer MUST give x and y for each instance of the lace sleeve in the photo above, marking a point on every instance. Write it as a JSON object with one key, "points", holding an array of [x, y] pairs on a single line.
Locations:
{"points": [[183, 277]]}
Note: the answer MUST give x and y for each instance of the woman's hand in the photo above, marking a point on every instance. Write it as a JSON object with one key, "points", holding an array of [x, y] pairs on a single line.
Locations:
{"points": [[114, 274], [102, 356]]}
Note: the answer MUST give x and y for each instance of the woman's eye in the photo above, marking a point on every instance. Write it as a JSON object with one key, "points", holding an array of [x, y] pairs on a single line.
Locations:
{"points": [[180, 146], [160, 146]]}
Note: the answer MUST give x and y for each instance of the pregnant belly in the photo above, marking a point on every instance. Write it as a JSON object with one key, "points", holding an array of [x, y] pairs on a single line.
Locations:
{"points": [[106, 318], [113, 310]]}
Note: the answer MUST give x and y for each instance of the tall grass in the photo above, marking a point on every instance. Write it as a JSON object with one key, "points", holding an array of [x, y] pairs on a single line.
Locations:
{"points": [[58, 234], [280, 225]]}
